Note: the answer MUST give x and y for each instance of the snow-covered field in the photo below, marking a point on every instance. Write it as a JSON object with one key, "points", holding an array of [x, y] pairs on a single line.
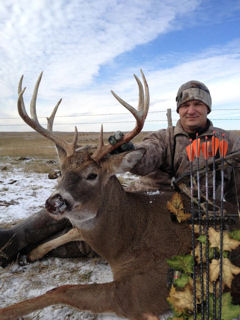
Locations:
{"points": [[22, 194]]}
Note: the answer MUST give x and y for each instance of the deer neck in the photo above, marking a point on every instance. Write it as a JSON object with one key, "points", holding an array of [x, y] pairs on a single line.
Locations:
{"points": [[108, 234]]}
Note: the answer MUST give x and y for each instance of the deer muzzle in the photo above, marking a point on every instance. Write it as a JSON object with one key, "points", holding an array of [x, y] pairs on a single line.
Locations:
{"points": [[57, 205]]}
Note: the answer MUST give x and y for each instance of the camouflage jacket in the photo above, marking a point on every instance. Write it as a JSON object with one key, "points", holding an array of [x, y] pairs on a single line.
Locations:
{"points": [[166, 157]]}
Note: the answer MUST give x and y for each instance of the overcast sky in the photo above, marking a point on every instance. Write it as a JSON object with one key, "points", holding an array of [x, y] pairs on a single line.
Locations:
{"points": [[87, 48]]}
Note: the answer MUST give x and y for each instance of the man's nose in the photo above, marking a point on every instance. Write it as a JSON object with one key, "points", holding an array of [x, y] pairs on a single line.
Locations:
{"points": [[191, 109]]}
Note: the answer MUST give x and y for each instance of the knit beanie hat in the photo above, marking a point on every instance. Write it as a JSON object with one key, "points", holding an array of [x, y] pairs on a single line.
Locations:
{"points": [[194, 90]]}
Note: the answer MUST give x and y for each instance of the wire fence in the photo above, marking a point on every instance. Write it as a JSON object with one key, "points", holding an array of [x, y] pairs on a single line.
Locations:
{"points": [[117, 118]]}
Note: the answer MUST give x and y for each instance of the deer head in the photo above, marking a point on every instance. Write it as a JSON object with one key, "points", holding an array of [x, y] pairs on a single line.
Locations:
{"points": [[85, 170]]}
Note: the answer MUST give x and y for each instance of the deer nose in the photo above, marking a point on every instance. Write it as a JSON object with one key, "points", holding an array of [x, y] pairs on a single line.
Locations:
{"points": [[57, 204]]}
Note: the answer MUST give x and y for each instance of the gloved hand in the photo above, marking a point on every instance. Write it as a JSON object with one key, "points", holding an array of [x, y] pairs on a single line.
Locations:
{"points": [[117, 136]]}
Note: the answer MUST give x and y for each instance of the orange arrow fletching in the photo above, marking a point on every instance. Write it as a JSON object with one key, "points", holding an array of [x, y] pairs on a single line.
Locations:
{"points": [[215, 145], [205, 149], [223, 146], [190, 152], [196, 147]]}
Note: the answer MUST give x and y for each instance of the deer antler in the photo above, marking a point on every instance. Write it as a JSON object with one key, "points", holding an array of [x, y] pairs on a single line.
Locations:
{"points": [[34, 123], [140, 116]]}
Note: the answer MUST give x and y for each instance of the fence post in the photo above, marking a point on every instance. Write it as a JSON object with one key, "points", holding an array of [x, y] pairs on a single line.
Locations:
{"points": [[169, 117]]}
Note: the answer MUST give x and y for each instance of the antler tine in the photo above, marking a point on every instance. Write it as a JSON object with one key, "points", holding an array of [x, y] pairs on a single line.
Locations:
{"points": [[141, 94], [20, 84], [50, 121], [20, 95], [99, 146], [52, 116], [101, 142], [33, 111], [22, 111], [75, 139], [143, 103], [139, 115], [125, 104], [34, 123], [147, 96]]}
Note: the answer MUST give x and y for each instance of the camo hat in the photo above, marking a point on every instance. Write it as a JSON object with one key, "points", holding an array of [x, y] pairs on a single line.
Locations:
{"points": [[194, 90]]}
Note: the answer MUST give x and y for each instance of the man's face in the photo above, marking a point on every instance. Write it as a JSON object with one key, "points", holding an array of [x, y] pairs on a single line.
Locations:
{"points": [[193, 115]]}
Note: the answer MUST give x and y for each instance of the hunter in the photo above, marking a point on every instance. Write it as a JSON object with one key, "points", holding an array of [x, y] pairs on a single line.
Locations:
{"points": [[165, 160]]}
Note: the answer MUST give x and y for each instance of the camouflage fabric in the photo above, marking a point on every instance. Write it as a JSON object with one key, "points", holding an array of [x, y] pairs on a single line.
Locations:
{"points": [[166, 157], [194, 90]]}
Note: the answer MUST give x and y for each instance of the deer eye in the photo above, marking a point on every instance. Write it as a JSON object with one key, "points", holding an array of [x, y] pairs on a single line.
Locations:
{"points": [[92, 176]]}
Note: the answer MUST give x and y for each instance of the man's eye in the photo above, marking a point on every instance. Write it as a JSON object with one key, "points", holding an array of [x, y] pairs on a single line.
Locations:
{"points": [[92, 176]]}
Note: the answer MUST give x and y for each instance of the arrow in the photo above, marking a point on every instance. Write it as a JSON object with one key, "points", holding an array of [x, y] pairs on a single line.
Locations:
{"points": [[205, 148], [190, 151], [223, 146], [215, 144], [196, 147]]}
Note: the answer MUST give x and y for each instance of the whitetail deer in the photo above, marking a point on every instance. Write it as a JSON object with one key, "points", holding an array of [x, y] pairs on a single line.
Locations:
{"points": [[134, 232]]}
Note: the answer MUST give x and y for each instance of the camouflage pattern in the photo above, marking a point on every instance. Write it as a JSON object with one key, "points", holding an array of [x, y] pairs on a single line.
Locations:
{"points": [[166, 157], [194, 90]]}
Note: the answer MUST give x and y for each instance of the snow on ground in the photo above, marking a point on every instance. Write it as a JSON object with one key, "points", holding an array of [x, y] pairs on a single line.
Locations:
{"points": [[23, 282], [22, 194]]}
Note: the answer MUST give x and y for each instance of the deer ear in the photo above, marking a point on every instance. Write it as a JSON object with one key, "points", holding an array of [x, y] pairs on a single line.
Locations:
{"points": [[126, 161]]}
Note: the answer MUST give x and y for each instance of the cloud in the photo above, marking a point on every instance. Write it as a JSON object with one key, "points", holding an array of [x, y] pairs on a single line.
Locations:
{"points": [[163, 83], [73, 41], [217, 67], [211, 68]]}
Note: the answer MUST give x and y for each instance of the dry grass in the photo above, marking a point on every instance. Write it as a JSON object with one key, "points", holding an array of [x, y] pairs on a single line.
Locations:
{"points": [[40, 166], [236, 132], [28, 165], [31, 144], [26, 144], [32, 152]]}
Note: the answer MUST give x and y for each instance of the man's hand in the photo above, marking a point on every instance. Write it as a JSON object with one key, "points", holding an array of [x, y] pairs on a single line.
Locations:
{"points": [[117, 136]]}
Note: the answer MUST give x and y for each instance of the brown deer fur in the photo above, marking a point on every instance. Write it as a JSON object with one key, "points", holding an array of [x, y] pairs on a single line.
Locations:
{"points": [[134, 232]]}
